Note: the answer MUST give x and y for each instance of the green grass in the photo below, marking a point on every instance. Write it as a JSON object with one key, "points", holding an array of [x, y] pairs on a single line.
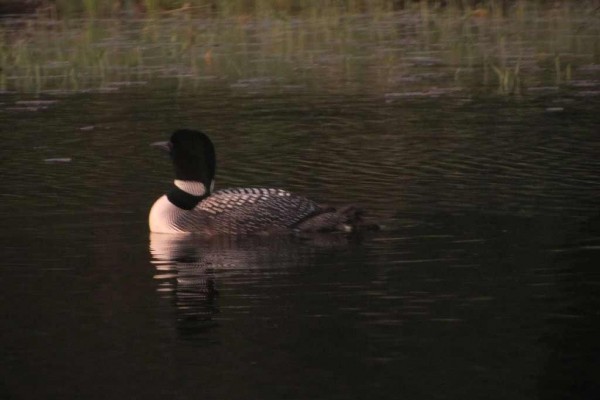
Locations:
{"points": [[335, 45]]}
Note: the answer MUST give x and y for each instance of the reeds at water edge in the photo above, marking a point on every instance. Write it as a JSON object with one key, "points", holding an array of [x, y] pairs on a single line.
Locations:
{"points": [[496, 46]]}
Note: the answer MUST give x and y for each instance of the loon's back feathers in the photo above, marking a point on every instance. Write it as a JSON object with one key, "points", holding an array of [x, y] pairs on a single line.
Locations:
{"points": [[253, 210], [238, 210]]}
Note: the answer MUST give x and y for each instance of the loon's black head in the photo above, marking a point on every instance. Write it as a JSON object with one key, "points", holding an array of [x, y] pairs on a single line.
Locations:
{"points": [[193, 156]]}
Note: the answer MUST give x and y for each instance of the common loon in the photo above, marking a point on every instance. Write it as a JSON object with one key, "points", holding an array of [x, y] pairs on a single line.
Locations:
{"points": [[191, 205]]}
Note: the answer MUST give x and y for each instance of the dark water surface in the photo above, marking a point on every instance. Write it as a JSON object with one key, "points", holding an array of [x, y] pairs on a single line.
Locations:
{"points": [[483, 283]]}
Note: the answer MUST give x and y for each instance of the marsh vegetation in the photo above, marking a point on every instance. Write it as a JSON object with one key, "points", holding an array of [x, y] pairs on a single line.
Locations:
{"points": [[387, 47]]}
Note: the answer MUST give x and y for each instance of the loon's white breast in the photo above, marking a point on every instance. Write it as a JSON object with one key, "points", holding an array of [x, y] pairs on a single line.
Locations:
{"points": [[163, 215]]}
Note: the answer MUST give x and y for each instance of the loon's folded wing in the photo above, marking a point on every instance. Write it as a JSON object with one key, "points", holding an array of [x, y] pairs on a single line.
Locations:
{"points": [[246, 210]]}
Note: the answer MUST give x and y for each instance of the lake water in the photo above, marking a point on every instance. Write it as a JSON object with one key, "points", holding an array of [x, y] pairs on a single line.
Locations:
{"points": [[483, 282]]}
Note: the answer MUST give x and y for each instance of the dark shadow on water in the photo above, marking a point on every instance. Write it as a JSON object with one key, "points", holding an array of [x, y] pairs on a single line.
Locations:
{"points": [[573, 364]]}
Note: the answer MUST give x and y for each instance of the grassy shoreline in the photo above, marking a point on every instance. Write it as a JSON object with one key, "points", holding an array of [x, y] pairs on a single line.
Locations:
{"points": [[498, 46], [221, 8]]}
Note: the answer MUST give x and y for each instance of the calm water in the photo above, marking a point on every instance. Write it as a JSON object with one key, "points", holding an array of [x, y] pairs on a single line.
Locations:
{"points": [[482, 284]]}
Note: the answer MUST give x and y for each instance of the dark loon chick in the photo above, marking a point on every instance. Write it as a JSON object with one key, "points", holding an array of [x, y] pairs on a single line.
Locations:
{"points": [[192, 206]]}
